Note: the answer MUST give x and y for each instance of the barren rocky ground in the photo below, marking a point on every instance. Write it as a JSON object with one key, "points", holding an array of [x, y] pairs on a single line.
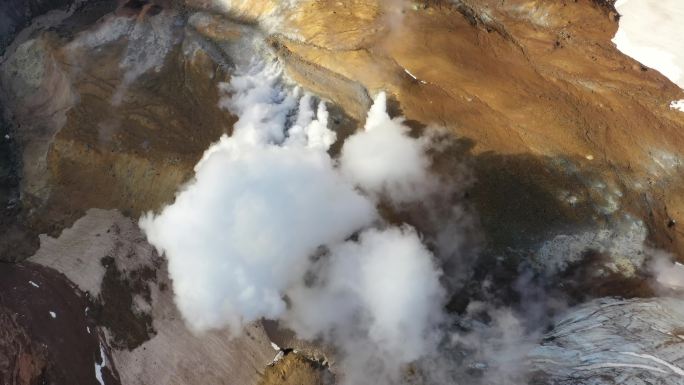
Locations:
{"points": [[565, 153]]}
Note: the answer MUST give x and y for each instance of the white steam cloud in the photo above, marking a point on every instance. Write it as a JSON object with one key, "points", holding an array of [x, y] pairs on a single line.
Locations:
{"points": [[667, 274], [272, 227], [378, 299], [383, 159]]}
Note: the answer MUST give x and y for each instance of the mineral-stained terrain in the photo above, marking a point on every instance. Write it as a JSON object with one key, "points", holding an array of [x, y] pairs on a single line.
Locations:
{"points": [[566, 154]]}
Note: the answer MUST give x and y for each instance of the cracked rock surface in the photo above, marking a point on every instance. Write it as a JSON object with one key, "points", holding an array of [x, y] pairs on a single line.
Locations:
{"points": [[614, 341]]}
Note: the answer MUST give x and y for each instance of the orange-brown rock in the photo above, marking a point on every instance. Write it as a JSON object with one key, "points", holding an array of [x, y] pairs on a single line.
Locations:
{"points": [[536, 87], [295, 369], [546, 108]]}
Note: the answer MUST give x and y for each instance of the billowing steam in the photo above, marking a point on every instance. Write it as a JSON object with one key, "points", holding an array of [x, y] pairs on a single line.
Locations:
{"points": [[377, 299], [383, 159], [273, 227], [668, 275]]}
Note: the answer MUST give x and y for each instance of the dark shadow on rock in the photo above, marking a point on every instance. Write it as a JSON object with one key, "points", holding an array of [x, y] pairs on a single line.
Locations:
{"points": [[517, 197], [17, 241], [115, 307], [394, 110], [17, 14], [46, 330], [523, 200], [519, 201], [89, 13], [343, 124]]}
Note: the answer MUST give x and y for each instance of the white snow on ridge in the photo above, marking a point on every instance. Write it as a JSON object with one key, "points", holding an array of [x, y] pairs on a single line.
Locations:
{"points": [[98, 367], [677, 105], [409, 73], [651, 32]]}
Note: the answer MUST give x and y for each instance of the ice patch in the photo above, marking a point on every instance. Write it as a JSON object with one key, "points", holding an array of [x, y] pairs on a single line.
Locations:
{"points": [[675, 369], [414, 76], [650, 32], [34, 284], [98, 367], [53, 314], [621, 342], [677, 105]]}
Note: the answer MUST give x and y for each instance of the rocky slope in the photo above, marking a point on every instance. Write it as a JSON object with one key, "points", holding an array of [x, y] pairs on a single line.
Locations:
{"points": [[106, 256], [572, 157], [536, 88]]}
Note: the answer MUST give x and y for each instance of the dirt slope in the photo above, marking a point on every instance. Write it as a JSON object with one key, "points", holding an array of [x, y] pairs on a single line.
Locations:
{"points": [[529, 84]]}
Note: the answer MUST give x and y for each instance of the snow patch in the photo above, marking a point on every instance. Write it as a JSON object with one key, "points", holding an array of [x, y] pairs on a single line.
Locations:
{"points": [[414, 76], [98, 367], [53, 314], [34, 284], [677, 105], [675, 369], [650, 32]]}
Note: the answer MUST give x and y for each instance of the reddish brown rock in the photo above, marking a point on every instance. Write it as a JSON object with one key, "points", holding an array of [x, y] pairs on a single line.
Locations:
{"points": [[46, 336]]}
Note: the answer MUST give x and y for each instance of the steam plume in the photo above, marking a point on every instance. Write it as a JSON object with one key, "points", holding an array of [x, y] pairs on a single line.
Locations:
{"points": [[269, 215]]}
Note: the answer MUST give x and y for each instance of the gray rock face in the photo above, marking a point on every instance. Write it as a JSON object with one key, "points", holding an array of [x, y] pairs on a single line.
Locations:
{"points": [[612, 341], [16, 14], [134, 287]]}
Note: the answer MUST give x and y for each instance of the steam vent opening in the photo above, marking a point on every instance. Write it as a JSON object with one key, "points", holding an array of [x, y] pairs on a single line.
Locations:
{"points": [[396, 192]]}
